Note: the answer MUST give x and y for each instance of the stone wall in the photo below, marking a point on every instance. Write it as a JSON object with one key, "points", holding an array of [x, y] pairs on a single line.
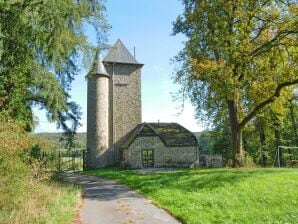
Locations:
{"points": [[211, 161], [178, 156], [98, 122], [126, 110]]}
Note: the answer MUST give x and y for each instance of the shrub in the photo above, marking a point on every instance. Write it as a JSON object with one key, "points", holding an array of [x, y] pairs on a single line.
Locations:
{"points": [[27, 193]]}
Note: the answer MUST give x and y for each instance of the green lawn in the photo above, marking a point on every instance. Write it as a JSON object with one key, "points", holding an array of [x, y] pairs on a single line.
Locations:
{"points": [[218, 195]]}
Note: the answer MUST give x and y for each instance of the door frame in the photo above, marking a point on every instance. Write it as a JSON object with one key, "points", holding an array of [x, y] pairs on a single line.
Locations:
{"points": [[146, 166]]}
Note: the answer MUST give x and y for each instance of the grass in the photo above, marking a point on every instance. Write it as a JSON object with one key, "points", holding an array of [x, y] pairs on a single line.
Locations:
{"points": [[62, 202], [218, 195], [50, 202], [28, 194]]}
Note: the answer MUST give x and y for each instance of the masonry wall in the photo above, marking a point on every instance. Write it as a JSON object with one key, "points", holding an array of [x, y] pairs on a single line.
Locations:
{"points": [[213, 161], [125, 103], [178, 156], [98, 122]]}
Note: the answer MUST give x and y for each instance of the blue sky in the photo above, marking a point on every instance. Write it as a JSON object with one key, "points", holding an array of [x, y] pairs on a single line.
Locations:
{"points": [[147, 26]]}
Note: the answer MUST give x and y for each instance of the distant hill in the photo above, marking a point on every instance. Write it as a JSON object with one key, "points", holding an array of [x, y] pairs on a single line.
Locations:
{"points": [[81, 139], [54, 138]]}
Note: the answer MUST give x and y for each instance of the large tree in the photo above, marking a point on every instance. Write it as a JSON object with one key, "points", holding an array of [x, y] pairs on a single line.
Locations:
{"points": [[239, 56], [42, 43]]}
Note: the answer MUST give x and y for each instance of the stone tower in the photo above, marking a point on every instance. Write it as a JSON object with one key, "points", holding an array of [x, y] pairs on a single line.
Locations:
{"points": [[97, 115], [122, 112]]}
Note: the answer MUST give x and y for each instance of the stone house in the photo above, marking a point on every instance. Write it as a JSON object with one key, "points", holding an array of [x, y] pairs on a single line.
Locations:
{"points": [[159, 145], [115, 134]]}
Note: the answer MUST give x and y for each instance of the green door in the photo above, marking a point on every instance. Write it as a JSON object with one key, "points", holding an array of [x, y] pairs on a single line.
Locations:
{"points": [[148, 158]]}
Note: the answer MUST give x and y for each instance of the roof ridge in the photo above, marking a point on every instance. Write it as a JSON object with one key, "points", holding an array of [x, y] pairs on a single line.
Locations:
{"points": [[166, 134], [120, 54], [140, 129], [153, 129]]}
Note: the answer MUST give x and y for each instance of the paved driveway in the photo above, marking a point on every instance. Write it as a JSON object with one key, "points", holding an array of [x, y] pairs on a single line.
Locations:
{"points": [[106, 202]]}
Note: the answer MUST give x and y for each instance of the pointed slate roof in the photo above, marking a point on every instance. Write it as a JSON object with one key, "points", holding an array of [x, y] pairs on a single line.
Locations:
{"points": [[120, 54], [98, 68]]}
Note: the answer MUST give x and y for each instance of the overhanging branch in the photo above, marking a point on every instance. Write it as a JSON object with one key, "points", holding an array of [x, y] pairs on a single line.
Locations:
{"points": [[281, 35], [271, 99]]}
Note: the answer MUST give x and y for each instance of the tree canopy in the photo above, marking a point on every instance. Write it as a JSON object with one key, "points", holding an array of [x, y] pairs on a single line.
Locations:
{"points": [[240, 56], [42, 43]]}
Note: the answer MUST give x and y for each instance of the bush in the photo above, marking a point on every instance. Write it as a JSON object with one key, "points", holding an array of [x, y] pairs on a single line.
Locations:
{"points": [[27, 193]]}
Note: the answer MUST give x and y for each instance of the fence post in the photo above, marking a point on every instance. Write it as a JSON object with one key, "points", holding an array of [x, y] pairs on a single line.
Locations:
{"points": [[84, 159], [41, 159], [59, 155], [73, 160], [278, 156], [44, 159]]}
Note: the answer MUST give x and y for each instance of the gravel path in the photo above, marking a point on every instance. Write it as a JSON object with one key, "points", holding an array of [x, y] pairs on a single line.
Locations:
{"points": [[106, 202]]}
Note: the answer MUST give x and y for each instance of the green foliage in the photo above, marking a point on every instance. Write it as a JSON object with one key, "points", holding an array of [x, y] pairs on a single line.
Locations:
{"points": [[70, 140], [261, 137], [205, 141], [219, 195], [289, 127], [271, 128], [41, 44], [26, 191], [59, 142], [238, 59]]}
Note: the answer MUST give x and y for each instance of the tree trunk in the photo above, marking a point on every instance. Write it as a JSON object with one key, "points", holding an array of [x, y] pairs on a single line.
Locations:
{"points": [[260, 128], [277, 134], [236, 131], [293, 121]]}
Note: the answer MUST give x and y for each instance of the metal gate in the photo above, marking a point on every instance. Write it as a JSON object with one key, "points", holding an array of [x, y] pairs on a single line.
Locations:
{"points": [[74, 160]]}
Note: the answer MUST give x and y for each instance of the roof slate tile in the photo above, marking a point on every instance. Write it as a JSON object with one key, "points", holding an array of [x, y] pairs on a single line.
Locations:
{"points": [[120, 54]]}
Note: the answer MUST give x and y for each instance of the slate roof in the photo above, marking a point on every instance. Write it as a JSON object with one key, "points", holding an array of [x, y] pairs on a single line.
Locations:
{"points": [[172, 134], [120, 54], [98, 68]]}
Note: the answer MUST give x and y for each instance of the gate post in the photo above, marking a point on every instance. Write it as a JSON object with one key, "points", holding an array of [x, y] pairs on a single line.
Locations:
{"points": [[44, 160], [59, 157], [84, 159], [73, 160]]}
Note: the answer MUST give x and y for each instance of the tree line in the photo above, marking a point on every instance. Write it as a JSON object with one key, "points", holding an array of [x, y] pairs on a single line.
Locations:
{"points": [[239, 68]]}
